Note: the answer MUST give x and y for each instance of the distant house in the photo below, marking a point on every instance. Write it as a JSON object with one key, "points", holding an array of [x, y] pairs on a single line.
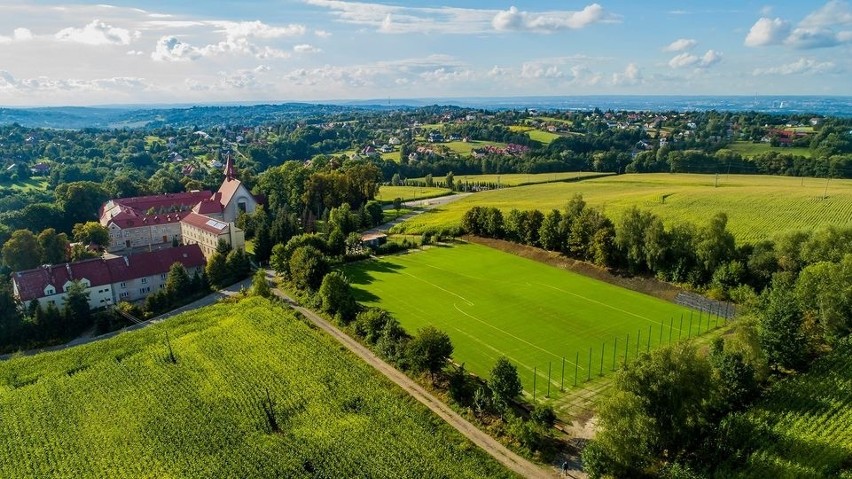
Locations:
{"points": [[42, 169], [107, 280], [369, 151], [394, 141], [387, 149], [435, 137]]}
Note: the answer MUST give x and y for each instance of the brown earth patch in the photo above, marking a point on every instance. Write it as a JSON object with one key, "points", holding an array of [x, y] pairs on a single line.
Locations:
{"points": [[649, 286]]}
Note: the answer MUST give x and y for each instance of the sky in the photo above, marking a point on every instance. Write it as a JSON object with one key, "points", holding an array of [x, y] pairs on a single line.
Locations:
{"points": [[211, 51]]}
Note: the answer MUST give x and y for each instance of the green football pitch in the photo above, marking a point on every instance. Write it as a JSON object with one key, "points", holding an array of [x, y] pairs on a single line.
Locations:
{"points": [[541, 317]]}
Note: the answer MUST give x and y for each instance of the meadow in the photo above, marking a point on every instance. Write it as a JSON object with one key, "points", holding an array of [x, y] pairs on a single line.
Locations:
{"points": [[496, 304], [120, 408], [35, 183], [802, 428], [749, 149], [406, 193], [519, 179], [757, 206], [541, 136]]}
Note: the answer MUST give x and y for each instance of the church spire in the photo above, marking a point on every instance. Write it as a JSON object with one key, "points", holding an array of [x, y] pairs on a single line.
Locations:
{"points": [[229, 168]]}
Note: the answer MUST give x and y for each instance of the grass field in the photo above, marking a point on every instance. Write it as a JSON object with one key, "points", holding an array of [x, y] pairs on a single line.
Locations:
{"points": [[757, 206], [493, 303], [748, 149], [118, 408], [543, 137], [803, 426], [518, 179], [464, 148], [30, 184], [388, 193]]}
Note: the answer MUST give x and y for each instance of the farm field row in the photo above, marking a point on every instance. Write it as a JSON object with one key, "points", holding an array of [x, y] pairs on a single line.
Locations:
{"points": [[757, 206], [803, 427], [120, 408], [496, 304]]}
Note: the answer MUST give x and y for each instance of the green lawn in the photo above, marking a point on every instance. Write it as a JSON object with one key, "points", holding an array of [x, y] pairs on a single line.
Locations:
{"points": [[496, 304], [748, 149], [30, 184], [757, 206], [543, 137], [464, 148], [388, 193], [119, 408], [518, 179]]}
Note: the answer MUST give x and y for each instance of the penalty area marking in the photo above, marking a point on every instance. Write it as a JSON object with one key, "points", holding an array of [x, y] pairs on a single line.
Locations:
{"points": [[509, 334]]}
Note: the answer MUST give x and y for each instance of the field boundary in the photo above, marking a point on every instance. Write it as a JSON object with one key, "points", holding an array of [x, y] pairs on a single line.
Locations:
{"points": [[648, 286]]}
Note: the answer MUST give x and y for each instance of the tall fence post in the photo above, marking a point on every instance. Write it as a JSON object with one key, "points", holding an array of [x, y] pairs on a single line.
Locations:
{"points": [[535, 376], [638, 341], [589, 371], [614, 352], [626, 349], [603, 348], [680, 329], [650, 330]]}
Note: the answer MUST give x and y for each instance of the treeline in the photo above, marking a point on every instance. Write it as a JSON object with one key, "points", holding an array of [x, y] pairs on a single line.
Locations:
{"points": [[704, 256]]}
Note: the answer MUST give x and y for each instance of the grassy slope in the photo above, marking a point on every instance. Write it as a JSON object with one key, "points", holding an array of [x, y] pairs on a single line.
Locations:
{"points": [[757, 206], [747, 149], [804, 425], [116, 408], [493, 303], [388, 193]]}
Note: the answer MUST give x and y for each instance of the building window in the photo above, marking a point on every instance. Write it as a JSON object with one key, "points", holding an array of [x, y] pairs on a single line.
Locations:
{"points": [[124, 294], [49, 291], [163, 275], [144, 290], [123, 285], [50, 301], [144, 280]]}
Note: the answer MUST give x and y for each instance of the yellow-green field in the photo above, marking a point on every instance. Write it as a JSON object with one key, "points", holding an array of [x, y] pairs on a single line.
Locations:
{"points": [[464, 148], [30, 184], [388, 193], [518, 179], [748, 149], [757, 206], [543, 137]]}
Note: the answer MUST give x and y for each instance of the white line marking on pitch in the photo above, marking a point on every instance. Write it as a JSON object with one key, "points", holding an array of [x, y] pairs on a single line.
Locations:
{"points": [[508, 333], [600, 303], [442, 289]]}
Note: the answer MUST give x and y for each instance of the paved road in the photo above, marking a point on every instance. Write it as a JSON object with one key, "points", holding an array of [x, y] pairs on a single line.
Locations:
{"points": [[422, 205], [490, 445]]}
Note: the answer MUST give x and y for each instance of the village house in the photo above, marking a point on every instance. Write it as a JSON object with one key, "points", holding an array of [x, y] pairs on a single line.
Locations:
{"points": [[107, 280]]}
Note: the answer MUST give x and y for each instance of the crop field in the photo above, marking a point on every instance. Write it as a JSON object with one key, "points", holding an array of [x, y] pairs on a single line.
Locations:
{"points": [[757, 206], [496, 304], [119, 408], [748, 149], [803, 427], [388, 193]]}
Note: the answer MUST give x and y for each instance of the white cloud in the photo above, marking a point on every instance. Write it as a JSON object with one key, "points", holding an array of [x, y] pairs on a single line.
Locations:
{"points": [[97, 33], [632, 75], [398, 19], [322, 33], [22, 34], [832, 13], [806, 38], [306, 48], [172, 49], [256, 29], [546, 22], [710, 58], [681, 44], [767, 31], [135, 52], [805, 66], [10, 84]]}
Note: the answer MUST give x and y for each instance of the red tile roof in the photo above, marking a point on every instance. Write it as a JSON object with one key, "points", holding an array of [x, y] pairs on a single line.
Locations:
{"points": [[206, 223], [141, 204], [228, 190], [99, 271]]}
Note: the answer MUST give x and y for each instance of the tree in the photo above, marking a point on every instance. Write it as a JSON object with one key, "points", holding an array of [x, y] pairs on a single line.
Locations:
{"points": [[22, 251], [374, 209], [178, 283], [54, 247], [504, 382], [217, 270], [824, 293], [238, 265], [80, 200], [307, 267], [76, 313], [91, 232], [429, 350], [715, 244], [397, 204], [550, 235], [222, 247], [337, 298], [260, 285], [449, 180], [661, 408], [630, 237]]}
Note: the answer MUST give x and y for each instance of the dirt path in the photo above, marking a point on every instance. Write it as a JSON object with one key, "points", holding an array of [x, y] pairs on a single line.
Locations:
{"points": [[490, 445]]}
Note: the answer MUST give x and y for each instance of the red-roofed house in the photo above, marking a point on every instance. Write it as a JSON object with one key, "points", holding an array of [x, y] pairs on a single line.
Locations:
{"points": [[107, 280], [155, 222]]}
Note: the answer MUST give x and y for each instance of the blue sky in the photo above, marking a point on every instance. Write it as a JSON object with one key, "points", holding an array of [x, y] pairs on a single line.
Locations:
{"points": [[214, 51]]}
